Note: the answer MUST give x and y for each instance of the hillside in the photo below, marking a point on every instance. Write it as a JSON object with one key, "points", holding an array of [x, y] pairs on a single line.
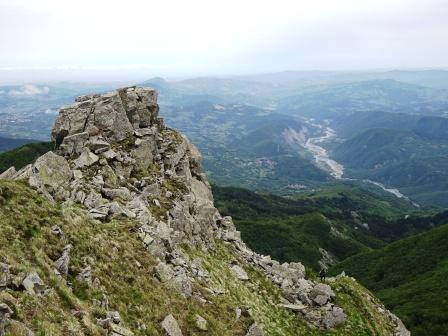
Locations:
{"points": [[435, 128], [115, 232], [410, 277], [357, 123], [23, 155], [8, 143], [414, 164], [248, 146], [342, 220]]}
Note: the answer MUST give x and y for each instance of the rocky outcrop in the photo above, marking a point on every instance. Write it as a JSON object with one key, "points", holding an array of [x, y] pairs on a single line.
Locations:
{"points": [[115, 157]]}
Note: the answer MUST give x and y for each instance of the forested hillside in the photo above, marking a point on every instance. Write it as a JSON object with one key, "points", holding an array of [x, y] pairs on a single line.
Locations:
{"points": [[410, 276]]}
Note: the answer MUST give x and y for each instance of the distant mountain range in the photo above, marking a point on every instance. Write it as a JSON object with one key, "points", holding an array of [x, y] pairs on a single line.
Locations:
{"points": [[23, 155], [8, 143], [252, 129], [377, 95]]}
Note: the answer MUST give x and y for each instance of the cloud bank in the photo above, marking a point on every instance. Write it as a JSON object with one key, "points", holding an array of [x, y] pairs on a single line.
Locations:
{"points": [[29, 90]]}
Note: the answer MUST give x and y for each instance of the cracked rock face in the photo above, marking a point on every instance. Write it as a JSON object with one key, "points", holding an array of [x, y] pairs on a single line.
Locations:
{"points": [[114, 115]]}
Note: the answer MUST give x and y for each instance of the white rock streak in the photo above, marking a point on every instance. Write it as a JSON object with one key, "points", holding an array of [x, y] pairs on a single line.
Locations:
{"points": [[321, 156]]}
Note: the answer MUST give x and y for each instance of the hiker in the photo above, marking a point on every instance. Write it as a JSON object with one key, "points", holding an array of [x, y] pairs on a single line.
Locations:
{"points": [[322, 274]]}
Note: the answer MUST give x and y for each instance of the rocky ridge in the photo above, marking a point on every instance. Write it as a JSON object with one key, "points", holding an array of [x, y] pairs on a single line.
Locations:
{"points": [[115, 157]]}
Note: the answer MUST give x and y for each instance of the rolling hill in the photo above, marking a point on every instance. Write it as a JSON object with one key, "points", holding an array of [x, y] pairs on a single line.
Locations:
{"points": [[415, 164], [7, 144], [333, 101], [21, 156], [409, 275]]}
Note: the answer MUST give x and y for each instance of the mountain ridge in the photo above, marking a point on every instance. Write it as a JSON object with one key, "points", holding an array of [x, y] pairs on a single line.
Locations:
{"points": [[117, 166]]}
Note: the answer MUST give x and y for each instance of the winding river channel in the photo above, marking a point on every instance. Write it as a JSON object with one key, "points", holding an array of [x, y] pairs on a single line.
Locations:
{"points": [[335, 169]]}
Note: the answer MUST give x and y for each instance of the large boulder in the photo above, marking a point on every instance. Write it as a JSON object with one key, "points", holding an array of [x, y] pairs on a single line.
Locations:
{"points": [[33, 284], [321, 294], [171, 327], [334, 317], [50, 170]]}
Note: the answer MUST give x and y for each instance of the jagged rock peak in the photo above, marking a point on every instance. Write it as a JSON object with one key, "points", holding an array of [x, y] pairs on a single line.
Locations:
{"points": [[114, 116]]}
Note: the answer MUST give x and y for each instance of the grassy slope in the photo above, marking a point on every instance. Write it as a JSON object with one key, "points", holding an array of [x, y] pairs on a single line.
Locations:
{"points": [[23, 155], [410, 277], [295, 229], [125, 273]]}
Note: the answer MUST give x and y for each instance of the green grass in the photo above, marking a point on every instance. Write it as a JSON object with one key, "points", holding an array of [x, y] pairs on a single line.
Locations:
{"points": [[410, 277], [23, 155]]}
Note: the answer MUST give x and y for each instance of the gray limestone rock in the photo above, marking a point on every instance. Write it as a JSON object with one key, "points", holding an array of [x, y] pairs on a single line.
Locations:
{"points": [[201, 323], [5, 276], [85, 275], [321, 294], [56, 230], [109, 155], [114, 316], [50, 170], [121, 193], [294, 307], [8, 174], [239, 272], [334, 317], [255, 330], [164, 272], [86, 159], [113, 115], [5, 313], [99, 146], [143, 154], [117, 330], [33, 284], [400, 329], [171, 327], [63, 262], [74, 144]]}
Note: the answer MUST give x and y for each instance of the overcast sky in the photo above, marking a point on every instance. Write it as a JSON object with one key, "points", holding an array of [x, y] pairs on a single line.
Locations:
{"points": [[197, 37]]}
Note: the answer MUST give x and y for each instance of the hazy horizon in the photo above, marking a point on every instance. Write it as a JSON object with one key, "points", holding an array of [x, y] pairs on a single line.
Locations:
{"points": [[121, 76]]}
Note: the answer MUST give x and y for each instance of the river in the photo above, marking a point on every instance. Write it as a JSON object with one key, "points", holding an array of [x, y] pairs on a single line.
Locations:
{"points": [[335, 169]]}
